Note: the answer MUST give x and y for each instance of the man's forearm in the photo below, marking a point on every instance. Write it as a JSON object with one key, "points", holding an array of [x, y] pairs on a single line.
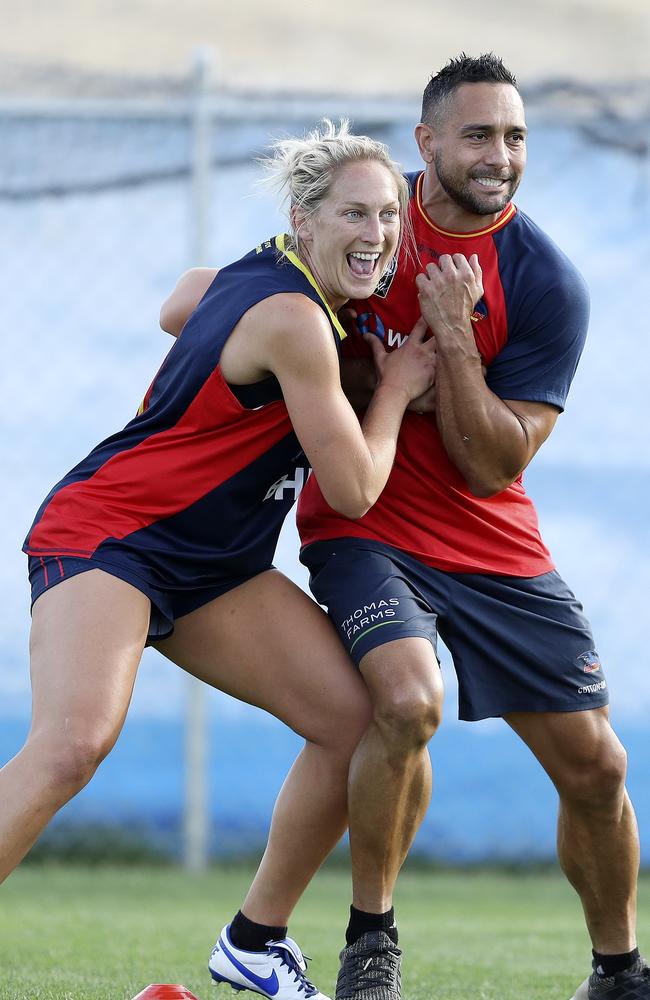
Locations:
{"points": [[483, 437]]}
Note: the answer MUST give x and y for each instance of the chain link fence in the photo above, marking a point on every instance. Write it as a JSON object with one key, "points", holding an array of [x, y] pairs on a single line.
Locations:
{"points": [[104, 201]]}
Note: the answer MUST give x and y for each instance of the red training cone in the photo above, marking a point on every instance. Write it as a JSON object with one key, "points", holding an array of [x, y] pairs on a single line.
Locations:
{"points": [[165, 991]]}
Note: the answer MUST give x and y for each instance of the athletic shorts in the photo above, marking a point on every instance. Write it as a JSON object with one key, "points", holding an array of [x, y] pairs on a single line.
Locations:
{"points": [[519, 644], [166, 604]]}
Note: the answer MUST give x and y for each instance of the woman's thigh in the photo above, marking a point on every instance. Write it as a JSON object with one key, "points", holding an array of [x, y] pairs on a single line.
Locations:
{"points": [[269, 644], [86, 641]]}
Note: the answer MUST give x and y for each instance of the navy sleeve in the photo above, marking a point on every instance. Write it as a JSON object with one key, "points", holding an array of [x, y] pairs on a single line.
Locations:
{"points": [[547, 305]]}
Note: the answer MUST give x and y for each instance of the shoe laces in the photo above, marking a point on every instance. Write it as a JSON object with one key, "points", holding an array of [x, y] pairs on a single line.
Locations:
{"points": [[370, 969], [299, 974]]}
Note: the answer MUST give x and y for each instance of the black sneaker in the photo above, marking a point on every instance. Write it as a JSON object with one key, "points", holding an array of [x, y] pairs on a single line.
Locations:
{"points": [[630, 984], [370, 969]]}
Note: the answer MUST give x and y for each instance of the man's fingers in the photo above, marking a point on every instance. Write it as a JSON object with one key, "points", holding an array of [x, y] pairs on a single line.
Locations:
{"points": [[478, 276], [476, 268], [347, 317]]}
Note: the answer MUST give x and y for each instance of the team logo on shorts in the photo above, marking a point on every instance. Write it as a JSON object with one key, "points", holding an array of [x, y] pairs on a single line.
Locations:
{"points": [[371, 616], [593, 688], [589, 661]]}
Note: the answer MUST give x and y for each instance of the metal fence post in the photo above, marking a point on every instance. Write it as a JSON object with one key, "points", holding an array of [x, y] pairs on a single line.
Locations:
{"points": [[195, 846]]}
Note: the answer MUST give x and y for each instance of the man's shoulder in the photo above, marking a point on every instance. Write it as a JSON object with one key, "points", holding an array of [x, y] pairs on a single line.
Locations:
{"points": [[527, 251], [532, 242]]}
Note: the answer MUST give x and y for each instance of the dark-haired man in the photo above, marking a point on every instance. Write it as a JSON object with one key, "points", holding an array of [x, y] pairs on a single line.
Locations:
{"points": [[453, 545]]}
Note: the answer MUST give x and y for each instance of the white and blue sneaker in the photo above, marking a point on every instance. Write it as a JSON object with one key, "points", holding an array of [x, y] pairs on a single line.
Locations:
{"points": [[279, 973]]}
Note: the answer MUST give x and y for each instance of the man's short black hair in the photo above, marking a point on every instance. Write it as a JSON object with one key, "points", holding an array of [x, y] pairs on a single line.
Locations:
{"points": [[486, 68]]}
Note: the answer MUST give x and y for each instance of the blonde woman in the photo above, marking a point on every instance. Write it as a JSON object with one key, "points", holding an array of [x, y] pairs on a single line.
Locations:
{"points": [[165, 534]]}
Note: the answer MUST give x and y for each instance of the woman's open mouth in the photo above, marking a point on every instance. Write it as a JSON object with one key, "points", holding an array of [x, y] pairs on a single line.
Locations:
{"points": [[363, 264]]}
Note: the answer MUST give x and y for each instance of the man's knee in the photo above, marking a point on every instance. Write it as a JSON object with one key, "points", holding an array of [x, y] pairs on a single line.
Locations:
{"points": [[596, 775], [406, 690], [408, 718]]}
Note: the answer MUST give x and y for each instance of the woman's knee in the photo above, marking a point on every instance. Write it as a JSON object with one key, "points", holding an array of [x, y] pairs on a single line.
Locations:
{"points": [[342, 724], [67, 761]]}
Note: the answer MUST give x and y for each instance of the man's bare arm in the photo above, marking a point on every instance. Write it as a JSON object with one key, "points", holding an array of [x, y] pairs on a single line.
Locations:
{"points": [[190, 289], [489, 439]]}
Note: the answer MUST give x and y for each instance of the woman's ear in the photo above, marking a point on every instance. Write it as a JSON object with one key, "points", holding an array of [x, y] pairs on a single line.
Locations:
{"points": [[301, 224]]}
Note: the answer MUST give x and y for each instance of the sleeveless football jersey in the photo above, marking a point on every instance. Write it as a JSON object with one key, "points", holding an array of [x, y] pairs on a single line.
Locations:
{"points": [[530, 328], [197, 485]]}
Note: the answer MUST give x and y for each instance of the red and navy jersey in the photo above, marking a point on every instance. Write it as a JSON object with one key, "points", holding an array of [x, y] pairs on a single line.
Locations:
{"points": [[197, 485], [530, 329]]}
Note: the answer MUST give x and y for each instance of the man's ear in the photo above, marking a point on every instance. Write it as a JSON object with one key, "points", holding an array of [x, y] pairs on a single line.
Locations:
{"points": [[301, 223], [426, 143]]}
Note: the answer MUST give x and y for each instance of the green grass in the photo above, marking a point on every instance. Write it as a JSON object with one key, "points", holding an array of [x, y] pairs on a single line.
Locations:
{"points": [[68, 933]]}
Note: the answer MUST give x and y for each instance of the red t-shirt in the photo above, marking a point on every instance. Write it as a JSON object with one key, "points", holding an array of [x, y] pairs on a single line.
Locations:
{"points": [[530, 328]]}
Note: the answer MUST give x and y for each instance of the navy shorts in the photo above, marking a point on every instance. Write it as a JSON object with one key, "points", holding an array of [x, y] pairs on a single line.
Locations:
{"points": [[167, 604], [519, 644]]}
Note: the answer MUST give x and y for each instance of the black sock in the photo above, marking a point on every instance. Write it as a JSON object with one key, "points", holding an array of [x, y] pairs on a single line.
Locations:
{"points": [[360, 922], [609, 965], [249, 936]]}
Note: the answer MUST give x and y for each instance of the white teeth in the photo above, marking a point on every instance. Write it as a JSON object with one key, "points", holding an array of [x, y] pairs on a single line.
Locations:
{"points": [[365, 256], [490, 181]]}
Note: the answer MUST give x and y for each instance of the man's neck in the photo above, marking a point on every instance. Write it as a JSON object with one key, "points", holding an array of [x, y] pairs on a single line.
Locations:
{"points": [[447, 214]]}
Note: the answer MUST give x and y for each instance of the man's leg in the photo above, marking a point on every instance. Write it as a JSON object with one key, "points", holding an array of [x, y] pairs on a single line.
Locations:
{"points": [[87, 637], [389, 792], [598, 842], [390, 774], [385, 607]]}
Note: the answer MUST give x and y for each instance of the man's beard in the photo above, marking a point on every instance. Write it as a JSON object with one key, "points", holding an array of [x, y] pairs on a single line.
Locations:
{"points": [[467, 198]]}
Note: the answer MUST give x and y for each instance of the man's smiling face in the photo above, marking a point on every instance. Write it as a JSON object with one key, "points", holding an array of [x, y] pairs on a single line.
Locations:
{"points": [[477, 146]]}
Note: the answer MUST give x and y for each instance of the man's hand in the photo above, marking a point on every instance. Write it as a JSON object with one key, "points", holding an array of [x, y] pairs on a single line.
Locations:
{"points": [[347, 317], [447, 294]]}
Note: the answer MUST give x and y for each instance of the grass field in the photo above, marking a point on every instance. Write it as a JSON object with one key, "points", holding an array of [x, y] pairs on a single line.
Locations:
{"points": [[106, 933]]}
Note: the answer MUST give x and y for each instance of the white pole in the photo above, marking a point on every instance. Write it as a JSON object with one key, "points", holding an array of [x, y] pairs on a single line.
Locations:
{"points": [[195, 846]]}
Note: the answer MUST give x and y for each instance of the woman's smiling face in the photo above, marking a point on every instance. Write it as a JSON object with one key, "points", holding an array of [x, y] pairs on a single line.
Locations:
{"points": [[352, 237]]}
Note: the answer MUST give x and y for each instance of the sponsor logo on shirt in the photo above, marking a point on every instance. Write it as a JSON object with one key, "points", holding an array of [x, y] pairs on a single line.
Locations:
{"points": [[287, 485], [480, 311], [370, 322]]}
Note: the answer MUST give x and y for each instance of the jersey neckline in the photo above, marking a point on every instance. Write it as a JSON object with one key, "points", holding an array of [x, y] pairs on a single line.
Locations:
{"points": [[280, 242], [503, 219]]}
